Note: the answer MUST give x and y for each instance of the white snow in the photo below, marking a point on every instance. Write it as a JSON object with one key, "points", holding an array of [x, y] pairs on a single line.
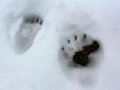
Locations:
{"points": [[39, 68]]}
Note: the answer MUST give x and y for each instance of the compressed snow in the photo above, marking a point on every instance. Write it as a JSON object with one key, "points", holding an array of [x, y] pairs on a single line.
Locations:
{"points": [[39, 68]]}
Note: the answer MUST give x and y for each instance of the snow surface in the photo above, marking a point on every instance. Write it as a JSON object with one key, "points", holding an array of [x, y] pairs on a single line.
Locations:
{"points": [[39, 68]]}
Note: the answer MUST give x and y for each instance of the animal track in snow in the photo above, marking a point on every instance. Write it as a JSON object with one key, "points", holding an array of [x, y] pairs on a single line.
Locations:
{"points": [[25, 36]]}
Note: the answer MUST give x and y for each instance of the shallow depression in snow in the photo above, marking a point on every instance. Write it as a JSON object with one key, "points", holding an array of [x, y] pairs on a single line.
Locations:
{"points": [[73, 32], [43, 66]]}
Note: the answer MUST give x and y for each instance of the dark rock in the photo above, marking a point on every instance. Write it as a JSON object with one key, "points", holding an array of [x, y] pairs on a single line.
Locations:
{"points": [[82, 57]]}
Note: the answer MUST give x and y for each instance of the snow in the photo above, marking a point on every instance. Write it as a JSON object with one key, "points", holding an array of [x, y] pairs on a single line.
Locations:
{"points": [[39, 68]]}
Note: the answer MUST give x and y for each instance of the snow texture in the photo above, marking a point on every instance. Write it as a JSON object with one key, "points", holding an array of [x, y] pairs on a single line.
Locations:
{"points": [[41, 66]]}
